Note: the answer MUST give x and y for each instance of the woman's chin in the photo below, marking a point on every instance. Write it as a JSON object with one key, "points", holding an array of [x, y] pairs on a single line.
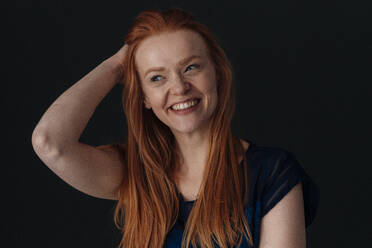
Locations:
{"points": [[187, 129], [184, 129]]}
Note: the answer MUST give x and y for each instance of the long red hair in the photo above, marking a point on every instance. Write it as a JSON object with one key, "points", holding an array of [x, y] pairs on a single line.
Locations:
{"points": [[148, 203]]}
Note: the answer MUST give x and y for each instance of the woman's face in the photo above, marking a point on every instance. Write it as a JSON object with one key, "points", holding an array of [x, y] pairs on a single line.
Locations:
{"points": [[175, 68]]}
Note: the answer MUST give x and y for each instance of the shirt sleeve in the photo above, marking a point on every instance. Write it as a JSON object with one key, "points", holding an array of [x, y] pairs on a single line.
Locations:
{"points": [[282, 174]]}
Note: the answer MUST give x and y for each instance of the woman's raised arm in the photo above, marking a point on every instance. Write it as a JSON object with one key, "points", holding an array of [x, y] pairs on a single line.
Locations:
{"points": [[96, 171]]}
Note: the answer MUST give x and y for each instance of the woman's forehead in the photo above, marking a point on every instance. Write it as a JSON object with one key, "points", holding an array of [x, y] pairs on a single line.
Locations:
{"points": [[169, 49]]}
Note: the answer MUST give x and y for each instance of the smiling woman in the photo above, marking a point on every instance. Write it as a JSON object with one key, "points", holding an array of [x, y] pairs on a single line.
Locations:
{"points": [[179, 82], [182, 178]]}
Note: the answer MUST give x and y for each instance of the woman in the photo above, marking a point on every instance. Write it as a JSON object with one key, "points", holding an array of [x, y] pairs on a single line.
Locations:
{"points": [[182, 177]]}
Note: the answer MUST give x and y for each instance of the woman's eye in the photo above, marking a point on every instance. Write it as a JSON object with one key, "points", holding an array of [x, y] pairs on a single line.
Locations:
{"points": [[154, 77], [196, 66]]}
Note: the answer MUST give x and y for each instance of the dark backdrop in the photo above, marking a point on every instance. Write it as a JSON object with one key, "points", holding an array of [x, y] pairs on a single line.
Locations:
{"points": [[303, 80]]}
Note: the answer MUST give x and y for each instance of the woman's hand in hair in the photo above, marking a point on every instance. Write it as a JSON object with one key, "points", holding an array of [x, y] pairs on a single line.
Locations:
{"points": [[118, 60]]}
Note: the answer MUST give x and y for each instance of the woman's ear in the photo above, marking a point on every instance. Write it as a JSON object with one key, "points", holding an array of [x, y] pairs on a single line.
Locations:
{"points": [[147, 104], [145, 100]]}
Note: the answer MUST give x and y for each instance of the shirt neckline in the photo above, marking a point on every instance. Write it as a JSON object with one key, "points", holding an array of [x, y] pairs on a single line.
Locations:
{"points": [[251, 144]]}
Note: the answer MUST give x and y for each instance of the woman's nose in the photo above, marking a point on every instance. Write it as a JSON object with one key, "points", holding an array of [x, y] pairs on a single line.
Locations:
{"points": [[179, 85]]}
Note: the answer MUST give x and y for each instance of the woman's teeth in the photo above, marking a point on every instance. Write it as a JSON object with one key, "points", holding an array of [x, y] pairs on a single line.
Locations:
{"points": [[185, 105]]}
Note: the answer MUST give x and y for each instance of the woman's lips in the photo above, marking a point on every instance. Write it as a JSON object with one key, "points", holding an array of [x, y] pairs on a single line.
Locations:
{"points": [[187, 110]]}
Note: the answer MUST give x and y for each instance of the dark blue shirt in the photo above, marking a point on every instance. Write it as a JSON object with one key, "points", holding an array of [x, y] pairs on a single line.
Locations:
{"points": [[273, 173]]}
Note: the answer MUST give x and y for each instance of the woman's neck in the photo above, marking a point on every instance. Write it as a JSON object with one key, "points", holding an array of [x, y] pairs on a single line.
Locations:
{"points": [[194, 150]]}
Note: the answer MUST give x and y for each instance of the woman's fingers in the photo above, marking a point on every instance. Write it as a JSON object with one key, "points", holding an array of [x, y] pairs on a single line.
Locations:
{"points": [[122, 53], [118, 59]]}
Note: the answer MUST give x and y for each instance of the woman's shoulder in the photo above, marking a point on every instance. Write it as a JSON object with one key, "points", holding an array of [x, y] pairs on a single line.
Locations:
{"points": [[118, 148], [265, 153], [122, 147], [264, 159], [245, 144], [276, 171]]}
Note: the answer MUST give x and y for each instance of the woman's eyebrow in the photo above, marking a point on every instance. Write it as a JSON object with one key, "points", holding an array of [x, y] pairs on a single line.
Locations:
{"points": [[182, 62]]}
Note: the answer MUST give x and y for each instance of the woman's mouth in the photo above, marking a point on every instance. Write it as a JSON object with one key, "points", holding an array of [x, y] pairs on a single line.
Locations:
{"points": [[185, 108]]}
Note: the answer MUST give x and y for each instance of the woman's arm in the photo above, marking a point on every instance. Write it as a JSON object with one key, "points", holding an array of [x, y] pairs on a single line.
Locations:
{"points": [[65, 120], [96, 171], [284, 225]]}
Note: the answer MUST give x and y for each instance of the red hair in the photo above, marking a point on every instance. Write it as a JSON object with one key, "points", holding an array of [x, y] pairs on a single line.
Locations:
{"points": [[148, 201]]}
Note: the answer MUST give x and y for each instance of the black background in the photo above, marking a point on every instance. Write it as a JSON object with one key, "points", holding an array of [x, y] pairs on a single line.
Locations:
{"points": [[303, 79]]}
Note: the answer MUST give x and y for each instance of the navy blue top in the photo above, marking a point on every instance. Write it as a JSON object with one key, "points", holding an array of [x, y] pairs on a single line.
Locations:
{"points": [[273, 173]]}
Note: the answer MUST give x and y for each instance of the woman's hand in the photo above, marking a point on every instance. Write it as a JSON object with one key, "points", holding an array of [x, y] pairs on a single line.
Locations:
{"points": [[118, 59]]}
